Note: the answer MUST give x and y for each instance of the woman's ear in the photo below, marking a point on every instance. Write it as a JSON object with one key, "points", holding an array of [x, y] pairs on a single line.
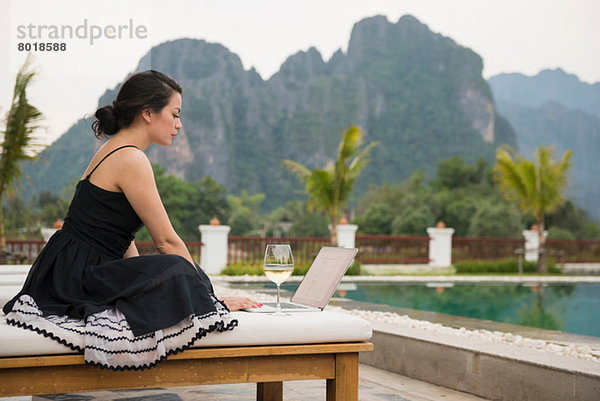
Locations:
{"points": [[147, 115]]}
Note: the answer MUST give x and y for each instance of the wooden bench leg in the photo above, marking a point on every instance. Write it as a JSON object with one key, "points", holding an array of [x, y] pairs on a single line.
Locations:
{"points": [[344, 387], [269, 391]]}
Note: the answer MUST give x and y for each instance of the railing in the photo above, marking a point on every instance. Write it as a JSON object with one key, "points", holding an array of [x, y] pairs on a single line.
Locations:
{"points": [[377, 249], [485, 248], [381, 249], [148, 248], [251, 250], [575, 250], [24, 251]]}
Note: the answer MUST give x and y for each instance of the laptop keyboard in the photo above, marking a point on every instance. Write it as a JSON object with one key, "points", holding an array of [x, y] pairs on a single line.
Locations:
{"points": [[286, 305]]}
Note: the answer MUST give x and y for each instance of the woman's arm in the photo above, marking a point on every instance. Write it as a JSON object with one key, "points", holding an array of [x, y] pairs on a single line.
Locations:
{"points": [[131, 251], [139, 187]]}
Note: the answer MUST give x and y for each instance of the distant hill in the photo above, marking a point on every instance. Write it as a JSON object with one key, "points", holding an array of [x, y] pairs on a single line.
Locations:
{"points": [[556, 108], [418, 93], [547, 86]]}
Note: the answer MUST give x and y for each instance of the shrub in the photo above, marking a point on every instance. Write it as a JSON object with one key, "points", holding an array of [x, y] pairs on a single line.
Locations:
{"points": [[240, 269], [501, 266]]}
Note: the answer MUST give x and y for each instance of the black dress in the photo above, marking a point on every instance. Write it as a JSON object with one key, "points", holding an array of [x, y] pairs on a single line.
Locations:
{"points": [[122, 313]]}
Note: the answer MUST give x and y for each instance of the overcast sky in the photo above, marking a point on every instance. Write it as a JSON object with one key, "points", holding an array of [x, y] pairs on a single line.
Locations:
{"points": [[523, 36]]}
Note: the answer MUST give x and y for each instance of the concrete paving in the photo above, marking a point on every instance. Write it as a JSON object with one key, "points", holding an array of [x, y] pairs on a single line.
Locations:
{"points": [[374, 385]]}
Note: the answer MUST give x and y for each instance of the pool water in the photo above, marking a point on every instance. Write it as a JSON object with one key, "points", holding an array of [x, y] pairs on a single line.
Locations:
{"points": [[571, 308]]}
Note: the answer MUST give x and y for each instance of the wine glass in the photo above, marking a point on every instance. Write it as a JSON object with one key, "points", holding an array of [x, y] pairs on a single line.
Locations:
{"points": [[278, 267]]}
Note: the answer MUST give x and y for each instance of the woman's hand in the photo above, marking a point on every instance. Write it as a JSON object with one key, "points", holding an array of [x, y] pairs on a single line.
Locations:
{"points": [[237, 303]]}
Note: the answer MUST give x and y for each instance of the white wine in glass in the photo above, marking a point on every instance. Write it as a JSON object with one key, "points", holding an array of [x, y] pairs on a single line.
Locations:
{"points": [[278, 266]]}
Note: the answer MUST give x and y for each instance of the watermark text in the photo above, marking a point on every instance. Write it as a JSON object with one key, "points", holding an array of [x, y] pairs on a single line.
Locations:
{"points": [[90, 32]]}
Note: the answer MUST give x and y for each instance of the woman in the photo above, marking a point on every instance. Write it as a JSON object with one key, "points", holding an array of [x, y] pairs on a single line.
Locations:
{"points": [[127, 311]]}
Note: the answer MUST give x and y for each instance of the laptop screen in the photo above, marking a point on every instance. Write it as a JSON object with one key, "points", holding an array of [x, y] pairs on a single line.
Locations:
{"points": [[324, 275]]}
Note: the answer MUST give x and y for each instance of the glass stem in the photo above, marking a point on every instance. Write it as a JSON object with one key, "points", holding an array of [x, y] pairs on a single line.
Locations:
{"points": [[278, 307]]}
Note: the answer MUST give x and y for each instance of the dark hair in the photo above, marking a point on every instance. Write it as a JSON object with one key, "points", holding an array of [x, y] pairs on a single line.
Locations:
{"points": [[146, 89]]}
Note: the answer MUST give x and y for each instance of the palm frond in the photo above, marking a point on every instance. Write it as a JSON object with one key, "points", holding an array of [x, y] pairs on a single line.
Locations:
{"points": [[301, 172], [21, 122], [328, 188], [320, 189], [510, 180], [361, 160], [537, 187]]}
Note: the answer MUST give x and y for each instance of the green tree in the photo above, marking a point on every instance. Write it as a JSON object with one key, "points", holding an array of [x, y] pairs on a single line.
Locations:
{"points": [[495, 219], [537, 187], [241, 223], [313, 225], [377, 219], [559, 233], [244, 212], [19, 127], [188, 204], [52, 206], [330, 187], [457, 209], [454, 172], [413, 221], [19, 219], [295, 220], [574, 219]]}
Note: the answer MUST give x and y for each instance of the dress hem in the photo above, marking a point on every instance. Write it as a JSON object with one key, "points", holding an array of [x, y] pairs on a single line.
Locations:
{"points": [[218, 326]]}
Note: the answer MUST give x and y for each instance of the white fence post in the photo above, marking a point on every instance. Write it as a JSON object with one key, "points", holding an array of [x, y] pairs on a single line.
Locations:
{"points": [[440, 246], [532, 243], [347, 235], [214, 247], [47, 233]]}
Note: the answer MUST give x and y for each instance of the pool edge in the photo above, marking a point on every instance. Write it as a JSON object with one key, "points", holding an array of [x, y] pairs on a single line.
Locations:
{"points": [[494, 371]]}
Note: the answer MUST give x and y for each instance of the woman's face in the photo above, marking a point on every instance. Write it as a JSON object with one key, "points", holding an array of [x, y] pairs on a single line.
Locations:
{"points": [[164, 124]]}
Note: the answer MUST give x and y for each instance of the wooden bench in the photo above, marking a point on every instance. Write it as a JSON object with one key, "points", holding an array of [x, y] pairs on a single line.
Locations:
{"points": [[268, 366]]}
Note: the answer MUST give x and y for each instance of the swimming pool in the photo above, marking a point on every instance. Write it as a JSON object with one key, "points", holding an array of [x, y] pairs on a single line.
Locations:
{"points": [[571, 308]]}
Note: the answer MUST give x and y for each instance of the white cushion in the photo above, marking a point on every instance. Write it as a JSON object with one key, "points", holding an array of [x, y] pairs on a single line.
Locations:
{"points": [[253, 329], [14, 269], [7, 292], [12, 279]]}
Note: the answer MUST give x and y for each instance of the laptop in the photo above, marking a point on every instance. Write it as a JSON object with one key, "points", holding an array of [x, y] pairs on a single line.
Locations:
{"points": [[319, 282]]}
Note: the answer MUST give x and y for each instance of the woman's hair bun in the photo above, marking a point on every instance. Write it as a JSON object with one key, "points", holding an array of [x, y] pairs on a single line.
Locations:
{"points": [[106, 123], [142, 90]]}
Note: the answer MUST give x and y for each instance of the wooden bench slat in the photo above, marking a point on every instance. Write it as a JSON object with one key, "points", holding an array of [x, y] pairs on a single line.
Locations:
{"points": [[77, 378], [267, 365], [271, 391], [198, 353]]}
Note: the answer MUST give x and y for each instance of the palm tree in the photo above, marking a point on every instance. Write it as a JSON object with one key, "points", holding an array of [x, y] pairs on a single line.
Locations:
{"points": [[330, 187], [537, 186], [19, 126]]}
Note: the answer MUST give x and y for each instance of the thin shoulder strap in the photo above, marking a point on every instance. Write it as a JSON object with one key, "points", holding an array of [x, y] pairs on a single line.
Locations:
{"points": [[104, 158]]}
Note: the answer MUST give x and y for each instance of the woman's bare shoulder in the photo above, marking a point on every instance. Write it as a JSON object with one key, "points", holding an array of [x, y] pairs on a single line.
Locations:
{"points": [[132, 154], [134, 161], [112, 171]]}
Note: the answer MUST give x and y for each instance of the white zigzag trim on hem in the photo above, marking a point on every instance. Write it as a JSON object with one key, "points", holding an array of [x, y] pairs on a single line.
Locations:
{"points": [[106, 339]]}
